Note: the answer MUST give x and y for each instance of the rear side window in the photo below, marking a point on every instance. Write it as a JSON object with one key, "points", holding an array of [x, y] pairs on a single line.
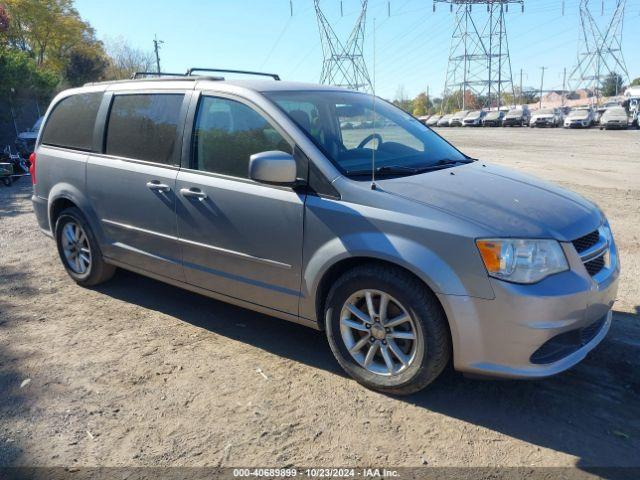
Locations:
{"points": [[144, 127], [71, 122], [227, 133]]}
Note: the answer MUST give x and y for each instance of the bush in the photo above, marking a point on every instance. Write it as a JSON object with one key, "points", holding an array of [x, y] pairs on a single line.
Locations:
{"points": [[19, 75]]}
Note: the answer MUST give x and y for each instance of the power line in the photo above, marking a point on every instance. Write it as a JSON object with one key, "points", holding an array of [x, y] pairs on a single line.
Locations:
{"points": [[343, 64], [600, 50], [479, 61]]}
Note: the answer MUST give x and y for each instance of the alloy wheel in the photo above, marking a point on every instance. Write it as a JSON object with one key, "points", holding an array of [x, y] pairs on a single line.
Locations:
{"points": [[75, 246], [378, 332]]}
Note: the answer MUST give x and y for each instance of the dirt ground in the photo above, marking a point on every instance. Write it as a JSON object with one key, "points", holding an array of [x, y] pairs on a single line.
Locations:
{"points": [[136, 372]]}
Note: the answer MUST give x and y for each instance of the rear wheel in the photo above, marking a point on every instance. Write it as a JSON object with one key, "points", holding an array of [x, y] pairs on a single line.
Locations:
{"points": [[79, 250], [387, 330]]}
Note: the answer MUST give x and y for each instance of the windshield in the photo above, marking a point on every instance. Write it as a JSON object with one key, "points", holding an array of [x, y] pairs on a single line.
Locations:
{"points": [[475, 114], [344, 126], [493, 115], [514, 113], [547, 111], [578, 113]]}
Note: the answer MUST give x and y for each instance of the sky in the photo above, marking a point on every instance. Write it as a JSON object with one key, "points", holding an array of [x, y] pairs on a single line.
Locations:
{"points": [[411, 45]]}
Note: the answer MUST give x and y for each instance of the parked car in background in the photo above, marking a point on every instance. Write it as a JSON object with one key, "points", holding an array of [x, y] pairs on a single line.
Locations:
{"points": [[597, 114], [548, 117], [444, 121], [474, 119], [424, 119], [26, 141], [458, 118], [581, 117], [517, 117], [433, 120], [230, 189], [494, 118], [614, 118]]}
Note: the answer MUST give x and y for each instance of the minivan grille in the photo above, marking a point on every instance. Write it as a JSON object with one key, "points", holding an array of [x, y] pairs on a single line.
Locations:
{"points": [[592, 249], [595, 265], [586, 242]]}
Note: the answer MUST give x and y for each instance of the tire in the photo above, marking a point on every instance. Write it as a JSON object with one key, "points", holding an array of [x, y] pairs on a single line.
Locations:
{"points": [[7, 181], [426, 355], [96, 271]]}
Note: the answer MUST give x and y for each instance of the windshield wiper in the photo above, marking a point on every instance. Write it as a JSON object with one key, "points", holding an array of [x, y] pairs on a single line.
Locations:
{"points": [[445, 163], [404, 170], [386, 170]]}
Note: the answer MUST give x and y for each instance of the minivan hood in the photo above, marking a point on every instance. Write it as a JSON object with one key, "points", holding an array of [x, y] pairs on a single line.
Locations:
{"points": [[502, 201], [614, 116]]}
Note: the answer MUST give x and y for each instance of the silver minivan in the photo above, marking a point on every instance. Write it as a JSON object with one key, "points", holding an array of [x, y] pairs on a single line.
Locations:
{"points": [[332, 209]]}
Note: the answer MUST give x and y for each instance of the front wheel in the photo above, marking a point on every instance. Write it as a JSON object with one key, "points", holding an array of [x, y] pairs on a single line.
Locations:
{"points": [[387, 329]]}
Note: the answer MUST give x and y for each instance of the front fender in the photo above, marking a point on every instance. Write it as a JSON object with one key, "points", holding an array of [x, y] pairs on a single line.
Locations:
{"points": [[415, 257]]}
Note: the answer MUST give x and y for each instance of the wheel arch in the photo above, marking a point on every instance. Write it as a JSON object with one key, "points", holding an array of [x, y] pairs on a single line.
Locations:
{"points": [[64, 196], [340, 267]]}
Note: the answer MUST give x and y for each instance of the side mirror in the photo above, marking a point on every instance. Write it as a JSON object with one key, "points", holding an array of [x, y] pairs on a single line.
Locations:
{"points": [[273, 168]]}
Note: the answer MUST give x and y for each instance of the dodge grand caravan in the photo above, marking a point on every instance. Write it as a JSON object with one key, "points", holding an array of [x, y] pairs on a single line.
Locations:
{"points": [[405, 251]]}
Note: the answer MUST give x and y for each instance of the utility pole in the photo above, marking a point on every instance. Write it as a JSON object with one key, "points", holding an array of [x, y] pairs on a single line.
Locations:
{"points": [[156, 48], [521, 91], [564, 86], [542, 84], [427, 98]]}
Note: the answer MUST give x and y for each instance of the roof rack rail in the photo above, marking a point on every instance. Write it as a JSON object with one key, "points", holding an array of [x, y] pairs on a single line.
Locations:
{"points": [[137, 75], [221, 70]]}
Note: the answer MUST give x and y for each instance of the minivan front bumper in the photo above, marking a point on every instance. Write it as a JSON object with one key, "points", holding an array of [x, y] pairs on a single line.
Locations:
{"points": [[532, 331]]}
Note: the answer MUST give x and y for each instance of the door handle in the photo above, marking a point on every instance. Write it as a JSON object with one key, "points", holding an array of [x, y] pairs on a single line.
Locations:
{"points": [[155, 185], [193, 193]]}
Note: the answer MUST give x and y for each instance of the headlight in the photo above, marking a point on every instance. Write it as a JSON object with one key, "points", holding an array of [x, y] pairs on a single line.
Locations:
{"points": [[520, 260]]}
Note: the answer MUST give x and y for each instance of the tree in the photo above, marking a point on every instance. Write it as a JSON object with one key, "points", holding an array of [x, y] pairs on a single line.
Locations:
{"points": [[436, 105], [527, 96], [4, 20], [48, 31], [19, 74], [125, 60], [635, 82], [402, 100], [612, 84], [84, 65], [453, 102], [421, 105]]}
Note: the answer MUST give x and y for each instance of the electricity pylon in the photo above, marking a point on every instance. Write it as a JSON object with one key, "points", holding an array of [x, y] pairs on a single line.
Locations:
{"points": [[343, 63], [479, 61], [600, 50]]}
